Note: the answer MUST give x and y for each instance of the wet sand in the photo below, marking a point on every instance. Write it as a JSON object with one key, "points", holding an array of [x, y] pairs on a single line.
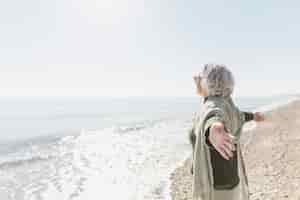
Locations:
{"points": [[272, 158]]}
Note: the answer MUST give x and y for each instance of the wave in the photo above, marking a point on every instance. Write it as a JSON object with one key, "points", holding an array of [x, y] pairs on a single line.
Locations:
{"points": [[126, 129], [54, 116], [34, 150], [138, 126], [22, 161]]}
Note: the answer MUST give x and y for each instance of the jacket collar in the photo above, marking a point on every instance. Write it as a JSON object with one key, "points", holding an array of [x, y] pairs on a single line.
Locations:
{"points": [[205, 99], [209, 97]]}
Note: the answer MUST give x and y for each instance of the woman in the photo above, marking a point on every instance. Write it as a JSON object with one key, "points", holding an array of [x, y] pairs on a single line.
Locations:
{"points": [[218, 166]]}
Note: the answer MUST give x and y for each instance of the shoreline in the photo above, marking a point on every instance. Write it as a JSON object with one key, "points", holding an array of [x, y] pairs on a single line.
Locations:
{"points": [[264, 181]]}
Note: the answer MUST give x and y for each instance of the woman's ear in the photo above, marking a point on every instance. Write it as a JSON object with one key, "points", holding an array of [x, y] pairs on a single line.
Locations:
{"points": [[195, 79]]}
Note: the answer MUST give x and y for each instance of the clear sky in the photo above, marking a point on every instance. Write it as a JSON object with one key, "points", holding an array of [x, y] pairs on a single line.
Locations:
{"points": [[146, 47]]}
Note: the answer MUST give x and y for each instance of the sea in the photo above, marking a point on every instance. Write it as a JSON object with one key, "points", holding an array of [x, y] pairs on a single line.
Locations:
{"points": [[96, 148]]}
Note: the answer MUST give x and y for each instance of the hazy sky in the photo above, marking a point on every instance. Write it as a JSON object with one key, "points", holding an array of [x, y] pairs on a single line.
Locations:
{"points": [[146, 47]]}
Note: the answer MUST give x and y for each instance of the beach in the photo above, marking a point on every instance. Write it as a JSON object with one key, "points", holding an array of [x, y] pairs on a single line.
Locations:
{"points": [[272, 156], [68, 148]]}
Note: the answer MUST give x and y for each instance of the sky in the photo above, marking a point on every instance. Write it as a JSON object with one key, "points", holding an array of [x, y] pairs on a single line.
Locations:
{"points": [[121, 48]]}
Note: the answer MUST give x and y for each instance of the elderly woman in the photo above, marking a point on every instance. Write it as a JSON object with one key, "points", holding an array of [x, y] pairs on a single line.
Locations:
{"points": [[218, 166]]}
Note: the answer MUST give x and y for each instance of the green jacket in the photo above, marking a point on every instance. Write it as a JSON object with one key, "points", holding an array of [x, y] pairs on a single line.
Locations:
{"points": [[214, 109]]}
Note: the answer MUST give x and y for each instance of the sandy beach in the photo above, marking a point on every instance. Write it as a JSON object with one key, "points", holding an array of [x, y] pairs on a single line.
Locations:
{"points": [[272, 158]]}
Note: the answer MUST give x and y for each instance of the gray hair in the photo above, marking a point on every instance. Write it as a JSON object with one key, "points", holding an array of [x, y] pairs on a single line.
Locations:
{"points": [[217, 80]]}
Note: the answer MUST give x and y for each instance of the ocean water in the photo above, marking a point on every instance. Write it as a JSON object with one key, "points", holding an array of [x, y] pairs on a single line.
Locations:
{"points": [[96, 148]]}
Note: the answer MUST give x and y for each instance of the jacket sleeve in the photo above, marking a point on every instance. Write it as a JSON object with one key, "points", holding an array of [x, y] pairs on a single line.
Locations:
{"points": [[248, 116]]}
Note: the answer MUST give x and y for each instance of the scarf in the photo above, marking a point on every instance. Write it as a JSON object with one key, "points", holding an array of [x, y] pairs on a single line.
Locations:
{"points": [[223, 109]]}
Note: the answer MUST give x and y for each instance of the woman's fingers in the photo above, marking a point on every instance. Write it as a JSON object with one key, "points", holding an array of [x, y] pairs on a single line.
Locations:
{"points": [[228, 139], [222, 152], [231, 137], [227, 151], [229, 145]]}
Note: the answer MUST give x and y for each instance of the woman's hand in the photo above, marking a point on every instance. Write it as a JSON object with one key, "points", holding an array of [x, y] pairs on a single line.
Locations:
{"points": [[259, 117], [222, 141]]}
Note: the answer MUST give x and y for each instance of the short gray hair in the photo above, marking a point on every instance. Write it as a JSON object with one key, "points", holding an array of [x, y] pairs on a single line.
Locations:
{"points": [[217, 80]]}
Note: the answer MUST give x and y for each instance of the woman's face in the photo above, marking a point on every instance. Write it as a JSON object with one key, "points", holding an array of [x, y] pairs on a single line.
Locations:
{"points": [[199, 89]]}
